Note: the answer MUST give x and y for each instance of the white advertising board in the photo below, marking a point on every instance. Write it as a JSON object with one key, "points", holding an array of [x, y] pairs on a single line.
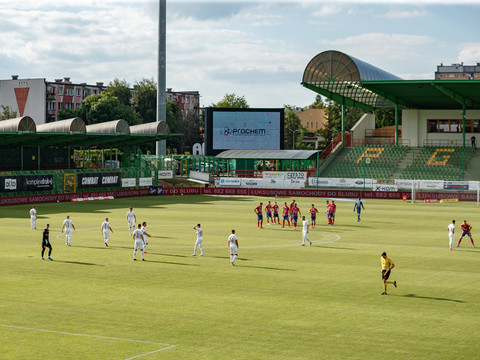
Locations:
{"points": [[129, 182], [145, 181], [229, 182], [383, 187], [165, 174]]}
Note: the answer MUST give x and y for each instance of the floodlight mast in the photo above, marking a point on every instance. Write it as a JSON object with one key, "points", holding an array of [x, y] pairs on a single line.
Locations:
{"points": [[161, 72]]}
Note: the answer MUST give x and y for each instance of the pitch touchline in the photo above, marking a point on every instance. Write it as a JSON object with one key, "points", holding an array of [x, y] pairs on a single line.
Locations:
{"points": [[168, 346]]}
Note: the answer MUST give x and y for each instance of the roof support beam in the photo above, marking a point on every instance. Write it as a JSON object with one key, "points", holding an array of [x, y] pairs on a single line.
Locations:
{"points": [[462, 100]]}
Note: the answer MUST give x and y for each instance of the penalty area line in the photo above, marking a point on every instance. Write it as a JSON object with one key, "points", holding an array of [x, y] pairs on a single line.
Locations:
{"points": [[166, 346]]}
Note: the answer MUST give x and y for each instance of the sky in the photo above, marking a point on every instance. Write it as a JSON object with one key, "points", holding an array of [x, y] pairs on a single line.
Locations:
{"points": [[255, 49]]}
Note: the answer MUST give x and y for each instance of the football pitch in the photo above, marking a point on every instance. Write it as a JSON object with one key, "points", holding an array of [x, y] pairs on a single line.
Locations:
{"points": [[280, 301]]}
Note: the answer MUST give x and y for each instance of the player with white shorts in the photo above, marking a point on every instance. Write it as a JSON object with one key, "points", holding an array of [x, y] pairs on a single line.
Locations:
{"points": [[451, 234], [199, 242], [139, 243], [67, 226], [145, 235], [131, 220], [305, 231], [233, 245], [33, 217], [106, 228]]}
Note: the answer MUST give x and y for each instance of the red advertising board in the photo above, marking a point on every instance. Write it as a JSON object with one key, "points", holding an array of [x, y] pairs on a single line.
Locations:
{"points": [[31, 199]]}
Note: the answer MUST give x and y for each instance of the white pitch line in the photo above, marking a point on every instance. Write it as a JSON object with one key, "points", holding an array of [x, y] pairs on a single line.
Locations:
{"points": [[168, 346]]}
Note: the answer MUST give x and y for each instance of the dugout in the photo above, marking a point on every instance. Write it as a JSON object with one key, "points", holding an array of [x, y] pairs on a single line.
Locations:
{"points": [[251, 163]]}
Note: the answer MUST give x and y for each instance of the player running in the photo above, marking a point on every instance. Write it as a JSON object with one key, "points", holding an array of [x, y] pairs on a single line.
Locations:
{"points": [[295, 214], [268, 211], [131, 220], [276, 218], [358, 206], [286, 214], [313, 215], [145, 235], [233, 245], [46, 242], [327, 211], [33, 217], [67, 226], [258, 211], [138, 242], [106, 228], [199, 242], [466, 228], [305, 231]]}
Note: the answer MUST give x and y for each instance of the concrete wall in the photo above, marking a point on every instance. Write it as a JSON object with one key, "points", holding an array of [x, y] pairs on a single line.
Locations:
{"points": [[367, 121], [26, 93], [414, 126]]}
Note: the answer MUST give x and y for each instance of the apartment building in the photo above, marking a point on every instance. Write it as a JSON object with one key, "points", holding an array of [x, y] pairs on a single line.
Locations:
{"points": [[458, 72]]}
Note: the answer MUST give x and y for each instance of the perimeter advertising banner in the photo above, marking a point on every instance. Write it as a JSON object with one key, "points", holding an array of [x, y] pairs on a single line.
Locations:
{"points": [[98, 180], [26, 183]]}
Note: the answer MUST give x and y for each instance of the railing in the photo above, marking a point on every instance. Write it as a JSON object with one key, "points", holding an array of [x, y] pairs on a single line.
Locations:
{"points": [[382, 132], [381, 141], [439, 142]]}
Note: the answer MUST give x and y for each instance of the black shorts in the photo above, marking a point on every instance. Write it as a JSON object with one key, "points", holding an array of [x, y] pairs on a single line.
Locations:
{"points": [[46, 244], [385, 274]]}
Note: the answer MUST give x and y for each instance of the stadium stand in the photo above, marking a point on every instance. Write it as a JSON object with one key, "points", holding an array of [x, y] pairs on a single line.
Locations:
{"points": [[438, 163], [372, 161]]}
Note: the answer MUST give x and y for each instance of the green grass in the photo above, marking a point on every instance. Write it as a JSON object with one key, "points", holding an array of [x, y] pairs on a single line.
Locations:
{"points": [[281, 301]]}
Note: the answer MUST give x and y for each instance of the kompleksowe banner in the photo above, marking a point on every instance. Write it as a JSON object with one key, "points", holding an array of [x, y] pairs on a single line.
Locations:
{"points": [[98, 180], [26, 183]]}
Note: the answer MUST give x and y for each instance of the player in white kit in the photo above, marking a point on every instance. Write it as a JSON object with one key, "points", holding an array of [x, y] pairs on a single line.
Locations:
{"points": [[451, 234], [139, 243], [131, 220], [199, 242], [33, 217], [145, 234], [68, 226], [305, 231], [106, 228], [233, 245]]}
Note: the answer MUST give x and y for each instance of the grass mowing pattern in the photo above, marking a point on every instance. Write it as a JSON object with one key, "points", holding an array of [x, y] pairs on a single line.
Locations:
{"points": [[281, 301]]}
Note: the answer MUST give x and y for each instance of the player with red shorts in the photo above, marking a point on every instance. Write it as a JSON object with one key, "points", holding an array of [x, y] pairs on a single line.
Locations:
{"points": [[466, 228], [292, 205]]}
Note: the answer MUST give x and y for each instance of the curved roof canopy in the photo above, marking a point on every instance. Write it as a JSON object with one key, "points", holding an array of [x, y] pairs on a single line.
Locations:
{"points": [[74, 125], [110, 127], [350, 81], [159, 127], [20, 124], [267, 154]]}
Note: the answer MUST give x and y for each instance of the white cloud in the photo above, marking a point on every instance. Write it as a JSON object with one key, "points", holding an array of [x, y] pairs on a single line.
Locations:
{"points": [[406, 13], [328, 9], [469, 53], [372, 46]]}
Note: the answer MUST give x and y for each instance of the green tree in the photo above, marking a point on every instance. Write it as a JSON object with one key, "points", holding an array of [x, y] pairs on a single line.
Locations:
{"points": [[106, 107], [7, 112], [177, 126], [293, 128], [386, 117], [69, 114], [333, 111], [192, 130], [232, 101], [121, 90], [145, 99]]}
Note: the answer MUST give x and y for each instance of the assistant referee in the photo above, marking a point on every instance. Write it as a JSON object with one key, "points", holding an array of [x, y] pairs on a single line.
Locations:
{"points": [[387, 266]]}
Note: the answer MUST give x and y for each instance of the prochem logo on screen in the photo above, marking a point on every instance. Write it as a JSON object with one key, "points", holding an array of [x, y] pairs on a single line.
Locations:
{"points": [[244, 131]]}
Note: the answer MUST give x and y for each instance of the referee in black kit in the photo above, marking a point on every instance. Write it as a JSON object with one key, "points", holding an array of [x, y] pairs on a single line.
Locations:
{"points": [[46, 243]]}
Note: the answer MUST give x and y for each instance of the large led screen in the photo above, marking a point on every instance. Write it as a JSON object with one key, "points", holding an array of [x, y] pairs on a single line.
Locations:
{"points": [[243, 129]]}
